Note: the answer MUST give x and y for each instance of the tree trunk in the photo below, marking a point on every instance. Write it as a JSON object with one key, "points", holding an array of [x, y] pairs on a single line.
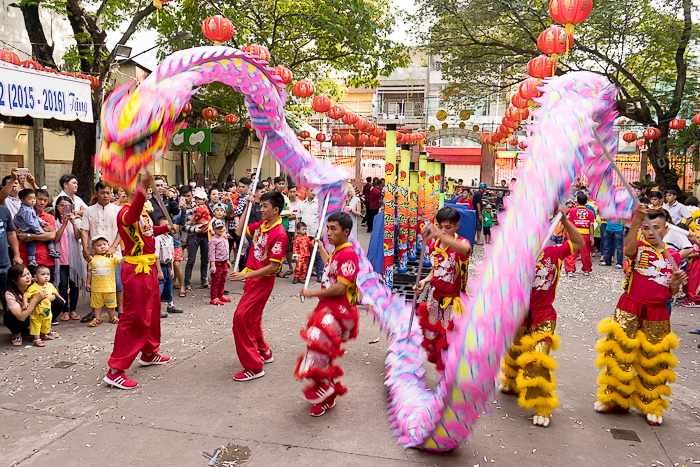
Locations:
{"points": [[658, 156], [39, 172], [85, 140], [41, 51], [232, 157]]}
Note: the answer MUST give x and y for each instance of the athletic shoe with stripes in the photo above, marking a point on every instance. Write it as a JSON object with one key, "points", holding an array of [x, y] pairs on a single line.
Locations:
{"points": [[119, 380], [320, 409], [154, 359], [319, 392], [267, 356], [247, 375]]}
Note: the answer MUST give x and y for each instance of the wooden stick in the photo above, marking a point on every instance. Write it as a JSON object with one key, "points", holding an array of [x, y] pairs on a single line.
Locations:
{"points": [[550, 232], [415, 292], [319, 234], [256, 180], [159, 199]]}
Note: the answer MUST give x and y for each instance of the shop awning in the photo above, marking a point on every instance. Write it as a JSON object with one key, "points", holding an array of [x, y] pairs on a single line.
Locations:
{"points": [[39, 94], [455, 155]]}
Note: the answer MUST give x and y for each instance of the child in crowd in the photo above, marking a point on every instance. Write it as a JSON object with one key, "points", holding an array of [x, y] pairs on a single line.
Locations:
{"points": [[302, 253], [656, 198], [487, 216], [101, 281], [219, 211], [28, 221], [449, 257], [40, 319], [583, 218], [165, 255], [202, 216], [219, 261], [334, 321]]}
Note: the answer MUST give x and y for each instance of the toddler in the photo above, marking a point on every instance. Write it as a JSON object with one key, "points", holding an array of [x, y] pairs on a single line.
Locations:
{"points": [[28, 221], [487, 223], [102, 281], [219, 261], [302, 253], [219, 211], [40, 319], [202, 216]]}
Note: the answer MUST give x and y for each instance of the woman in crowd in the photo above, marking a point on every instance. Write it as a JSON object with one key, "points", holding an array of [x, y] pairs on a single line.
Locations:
{"points": [[71, 274], [16, 316], [354, 209]]}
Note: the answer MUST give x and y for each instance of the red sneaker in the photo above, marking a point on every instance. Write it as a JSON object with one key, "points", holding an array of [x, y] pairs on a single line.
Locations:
{"points": [[119, 380], [216, 301], [319, 392], [154, 359], [267, 356], [247, 375], [320, 409], [224, 299]]}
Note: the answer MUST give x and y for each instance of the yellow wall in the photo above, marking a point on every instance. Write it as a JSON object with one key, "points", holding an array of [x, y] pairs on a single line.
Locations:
{"points": [[359, 101]]}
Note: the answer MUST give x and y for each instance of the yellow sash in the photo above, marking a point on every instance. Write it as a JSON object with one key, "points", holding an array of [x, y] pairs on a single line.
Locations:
{"points": [[134, 233], [142, 262]]}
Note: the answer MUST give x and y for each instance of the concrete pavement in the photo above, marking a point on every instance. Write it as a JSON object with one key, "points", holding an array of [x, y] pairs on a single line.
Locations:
{"points": [[54, 408]]}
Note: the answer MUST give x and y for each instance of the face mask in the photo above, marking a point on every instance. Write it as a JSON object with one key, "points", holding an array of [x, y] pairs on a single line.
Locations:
{"points": [[193, 185]]}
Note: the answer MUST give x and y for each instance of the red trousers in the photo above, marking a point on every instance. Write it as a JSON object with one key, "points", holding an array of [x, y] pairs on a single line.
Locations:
{"points": [[586, 264], [247, 322], [693, 280], [218, 280], [139, 324], [301, 268]]}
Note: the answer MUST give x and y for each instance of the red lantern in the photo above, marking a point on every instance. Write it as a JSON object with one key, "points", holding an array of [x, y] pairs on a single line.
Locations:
{"points": [[570, 12], [320, 137], [677, 124], [248, 124], [336, 112], [349, 139], [9, 57], [518, 101], [336, 138], [218, 29], [361, 124], [187, 108], [504, 130], [640, 143], [51, 70], [483, 136], [231, 119], [377, 132], [31, 65], [629, 137], [303, 89], [522, 145], [321, 104], [555, 41], [363, 139], [350, 118], [652, 133], [374, 139], [528, 90], [259, 51], [400, 138], [303, 134], [284, 73], [508, 123], [94, 82], [517, 115], [696, 119], [513, 141], [541, 67], [371, 126], [210, 113]]}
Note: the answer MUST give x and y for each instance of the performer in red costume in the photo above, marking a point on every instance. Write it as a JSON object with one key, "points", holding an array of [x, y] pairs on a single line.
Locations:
{"points": [[528, 369], [333, 321], [139, 324], [264, 261]]}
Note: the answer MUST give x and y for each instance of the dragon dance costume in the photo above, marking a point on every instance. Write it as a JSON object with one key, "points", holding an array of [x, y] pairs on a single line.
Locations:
{"points": [[636, 354], [528, 368], [139, 324], [450, 273], [334, 321]]}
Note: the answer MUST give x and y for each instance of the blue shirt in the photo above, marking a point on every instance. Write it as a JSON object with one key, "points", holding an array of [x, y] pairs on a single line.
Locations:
{"points": [[614, 226], [6, 225]]}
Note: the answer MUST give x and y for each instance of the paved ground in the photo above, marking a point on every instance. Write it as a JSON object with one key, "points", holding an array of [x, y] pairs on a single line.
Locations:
{"points": [[58, 415]]}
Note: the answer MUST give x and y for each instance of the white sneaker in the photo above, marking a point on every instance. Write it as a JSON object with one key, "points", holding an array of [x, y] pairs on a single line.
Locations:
{"points": [[618, 266], [586, 273], [603, 263], [570, 274]]}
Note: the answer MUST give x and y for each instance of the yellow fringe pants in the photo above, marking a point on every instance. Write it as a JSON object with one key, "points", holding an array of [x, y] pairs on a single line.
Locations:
{"points": [[528, 369], [636, 360]]}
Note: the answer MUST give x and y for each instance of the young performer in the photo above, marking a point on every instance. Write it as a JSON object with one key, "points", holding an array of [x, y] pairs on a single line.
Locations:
{"points": [[528, 368], [333, 321], [139, 324], [264, 261], [449, 256], [583, 218], [639, 338]]}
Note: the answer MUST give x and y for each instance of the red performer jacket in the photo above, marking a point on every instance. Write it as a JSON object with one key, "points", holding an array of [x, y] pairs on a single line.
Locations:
{"points": [[269, 244], [547, 273], [450, 269], [136, 230], [649, 274], [342, 266]]}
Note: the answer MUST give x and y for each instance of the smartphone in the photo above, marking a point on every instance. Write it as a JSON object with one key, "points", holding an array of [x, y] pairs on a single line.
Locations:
{"points": [[22, 171], [67, 208]]}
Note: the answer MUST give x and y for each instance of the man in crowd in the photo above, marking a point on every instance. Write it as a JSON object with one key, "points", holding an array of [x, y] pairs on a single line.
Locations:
{"points": [[197, 238], [366, 190], [8, 237], [101, 219], [8, 195], [69, 187], [169, 203], [309, 215], [478, 206], [677, 210], [286, 215], [293, 205]]}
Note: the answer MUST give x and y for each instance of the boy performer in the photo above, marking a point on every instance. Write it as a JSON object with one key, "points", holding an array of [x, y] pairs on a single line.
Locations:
{"points": [[139, 324], [639, 338], [583, 218], [333, 321], [528, 368], [264, 262], [449, 257]]}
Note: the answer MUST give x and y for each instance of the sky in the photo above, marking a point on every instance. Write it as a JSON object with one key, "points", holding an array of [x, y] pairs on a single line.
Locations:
{"points": [[144, 40]]}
